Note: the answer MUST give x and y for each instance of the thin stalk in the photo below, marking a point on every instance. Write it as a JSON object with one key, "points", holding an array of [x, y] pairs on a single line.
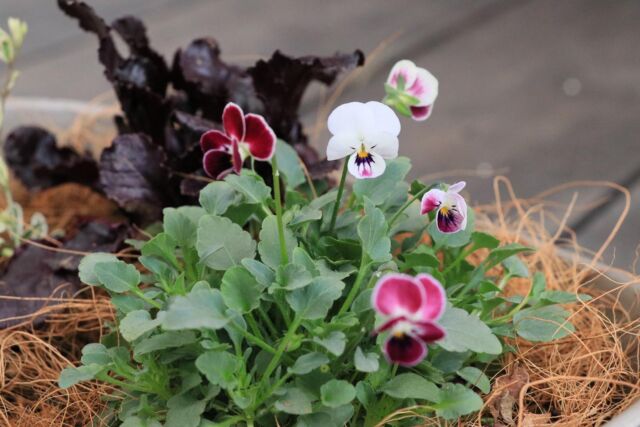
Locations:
{"points": [[284, 257], [362, 273], [408, 203], [254, 339], [143, 297], [267, 320], [281, 348], [336, 207]]}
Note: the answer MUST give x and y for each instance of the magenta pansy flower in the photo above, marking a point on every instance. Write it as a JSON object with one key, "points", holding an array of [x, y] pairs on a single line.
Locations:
{"points": [[410, 307], [451, 215], [411, 90], [244, 135], [367, 133]]}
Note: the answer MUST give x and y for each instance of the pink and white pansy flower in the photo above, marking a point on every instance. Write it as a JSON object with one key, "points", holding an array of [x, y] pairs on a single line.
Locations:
{"points": [[411, 90], [450, 207], [367, 133], [410, 307], [244, 135]]}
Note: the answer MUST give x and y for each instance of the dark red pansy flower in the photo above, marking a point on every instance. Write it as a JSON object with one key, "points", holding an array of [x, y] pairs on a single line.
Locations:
{"points": [[244, 135]]}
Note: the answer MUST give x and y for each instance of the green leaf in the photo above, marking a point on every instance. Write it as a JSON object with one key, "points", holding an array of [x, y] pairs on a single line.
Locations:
{"points": [[171, 339], [240, 290], [315, 300], [467, 332], [263, 274], [220, 368], [221, 244], [336, 393], [335, 342], [453, 240], [379, 189], [411, 386], [455, 400], [250, 185], [304, 215], [498, 255], [292, 276], [72, 376], [294, 401], [289, 164], [543, 324], [181, 224], [86, 269], [515, 267], [308, 362], [134, 421], [562, 297], [373, 232], [423, 256], [161, 246], [475, 377], [117, 276], [269, 246], [96, 354], [217, 196], [184, 411], [137, 323], [539, 284], [366, 362], [482, 240], [200, 308], [365, 393]]}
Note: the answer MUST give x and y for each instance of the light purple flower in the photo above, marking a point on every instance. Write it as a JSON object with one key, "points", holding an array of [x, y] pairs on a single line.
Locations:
{"points": [[451, 215], [410, 306]]}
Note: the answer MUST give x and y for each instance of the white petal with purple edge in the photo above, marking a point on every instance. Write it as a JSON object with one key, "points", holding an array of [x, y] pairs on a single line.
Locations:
{"points": [[363, 168], [431, 200], [405, 68], [457, 187], [436, 299], [425, 87]]}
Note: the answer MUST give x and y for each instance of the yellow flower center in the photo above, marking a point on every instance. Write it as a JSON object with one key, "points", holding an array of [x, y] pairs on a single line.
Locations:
{"points": [[444, 210], [398, 334], [362, 152]]}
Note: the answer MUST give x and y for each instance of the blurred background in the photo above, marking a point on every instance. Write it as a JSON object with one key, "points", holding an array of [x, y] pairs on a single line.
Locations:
{"points": [[540, 91]]}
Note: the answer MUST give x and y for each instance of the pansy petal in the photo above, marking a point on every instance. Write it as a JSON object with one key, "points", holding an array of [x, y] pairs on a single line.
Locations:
{"points": [[236, 157], [371, 166], [405, 69], [382, 143], [385, 326], [429, 332], [350, 118], [259, 137], [214, 140], [233, 121], [436, 296], [384, 118], [405, 350], [457, 187], [431, 200], [424, 87], [397, 295], [216, 163], [420, 114], [452, 217], [342, 145]]}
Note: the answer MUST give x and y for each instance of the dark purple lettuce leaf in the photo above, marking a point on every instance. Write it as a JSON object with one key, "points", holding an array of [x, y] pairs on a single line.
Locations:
{"points": [[134, 174], [183, 140], [41, 273], [281, 81], [210, 82], [140, 81], [34, 157]]}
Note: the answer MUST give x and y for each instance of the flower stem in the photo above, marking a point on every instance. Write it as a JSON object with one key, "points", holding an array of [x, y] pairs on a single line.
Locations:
{"points": [[404, 207], [362, 273], [284, 257], [343, 178], [281, 348]]}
